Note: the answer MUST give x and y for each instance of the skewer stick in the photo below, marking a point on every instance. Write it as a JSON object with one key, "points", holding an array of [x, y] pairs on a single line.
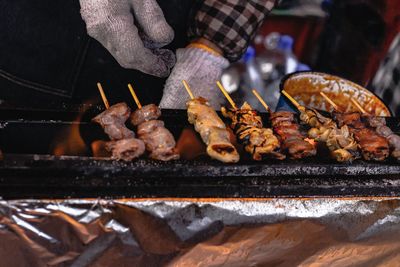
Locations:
{"points": [[134, 96], [297, 105], [329, 101], [360, 108], [188, 89], [226, 95], [103, 96], [261, 100]]}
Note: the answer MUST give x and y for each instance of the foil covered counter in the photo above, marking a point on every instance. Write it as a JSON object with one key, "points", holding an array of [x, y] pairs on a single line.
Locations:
{"points": [[168, 232]]}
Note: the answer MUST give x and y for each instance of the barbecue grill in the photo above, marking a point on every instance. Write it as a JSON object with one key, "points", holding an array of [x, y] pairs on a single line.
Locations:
{"points": [[33, 167]]}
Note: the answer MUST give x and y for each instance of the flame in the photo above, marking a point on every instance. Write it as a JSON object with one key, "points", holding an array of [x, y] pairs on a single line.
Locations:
{"points": [[69, 141], [190, 145], [99, 149]]}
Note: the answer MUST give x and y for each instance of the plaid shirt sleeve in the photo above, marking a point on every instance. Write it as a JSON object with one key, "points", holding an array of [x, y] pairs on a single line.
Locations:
{"points": [[229, 24]]}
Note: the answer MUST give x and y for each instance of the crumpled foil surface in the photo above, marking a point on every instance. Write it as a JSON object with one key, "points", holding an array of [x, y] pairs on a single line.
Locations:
{"points": [[200, 232]]}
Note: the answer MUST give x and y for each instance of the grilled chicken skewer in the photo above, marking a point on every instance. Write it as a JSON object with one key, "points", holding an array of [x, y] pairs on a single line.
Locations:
{"points": [[379, 124], [372, 145], [211, 128], [260, 142], [292, 140], [339, 141], [113, 121], [159, 140], [123, 144]]}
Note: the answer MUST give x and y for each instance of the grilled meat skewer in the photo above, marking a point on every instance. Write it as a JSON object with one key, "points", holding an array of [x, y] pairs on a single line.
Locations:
{"points": [[158, 139], [292, 140], [340, 141], [379, 124], [123, 144], [212, 130], [248, 126], [126, 149], [113, 121], [372, 145]]}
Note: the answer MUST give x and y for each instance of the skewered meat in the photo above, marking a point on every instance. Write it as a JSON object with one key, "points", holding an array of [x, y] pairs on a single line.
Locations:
{"points": [[146, 113], [248, 126], [126, 149], [123, 145], [113, 121], [379, 124], [159, 141], [212, 130], [372, 145], [340, 141], [292, 140]]}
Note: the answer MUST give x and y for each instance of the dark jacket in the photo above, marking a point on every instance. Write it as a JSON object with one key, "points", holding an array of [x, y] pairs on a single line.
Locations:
{"points": [[46, 57]]}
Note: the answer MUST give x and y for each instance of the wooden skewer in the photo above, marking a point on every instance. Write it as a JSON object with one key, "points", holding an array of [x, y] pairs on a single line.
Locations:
{"points": [[226, 95], [360, 108], [103, 96], [188, 89], [134, 96], [261, 100], [329, 101], [297, 105]]}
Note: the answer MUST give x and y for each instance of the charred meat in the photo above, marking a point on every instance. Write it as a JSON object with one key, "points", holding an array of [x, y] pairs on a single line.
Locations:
{"points": [[372, 145], [258, 141], [123, 145], [146, 113], [159, 141], [212, 130], [113, 121], [126, 149], [379, 124], [288, 131]]}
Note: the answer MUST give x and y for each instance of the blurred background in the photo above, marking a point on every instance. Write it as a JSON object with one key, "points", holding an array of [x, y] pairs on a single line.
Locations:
{"points": [[348, 38]]}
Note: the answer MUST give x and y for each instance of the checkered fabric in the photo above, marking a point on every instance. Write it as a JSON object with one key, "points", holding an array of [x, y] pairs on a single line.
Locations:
{"points": [[386, 83], [230, 24]]}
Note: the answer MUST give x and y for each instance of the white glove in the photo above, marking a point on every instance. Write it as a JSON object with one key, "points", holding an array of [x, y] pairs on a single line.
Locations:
{"points": [[111, 23], [201, 69]]}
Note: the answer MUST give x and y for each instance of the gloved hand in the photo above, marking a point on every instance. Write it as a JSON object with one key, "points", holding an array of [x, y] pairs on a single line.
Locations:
{"points": [[201, 69], [111, 23]]}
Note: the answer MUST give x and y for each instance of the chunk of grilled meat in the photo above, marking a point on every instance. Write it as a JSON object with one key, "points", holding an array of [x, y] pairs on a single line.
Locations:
{"points": [[158, 140], [126, 149], [372, 145], [212, 130], [292, 140], [146, 113], [113, 121], [258, 141], [379, 124], [339, 141]]}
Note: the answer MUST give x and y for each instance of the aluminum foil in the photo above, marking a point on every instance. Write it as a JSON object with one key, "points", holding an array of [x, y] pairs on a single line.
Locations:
{"points": [[190, 232]]}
